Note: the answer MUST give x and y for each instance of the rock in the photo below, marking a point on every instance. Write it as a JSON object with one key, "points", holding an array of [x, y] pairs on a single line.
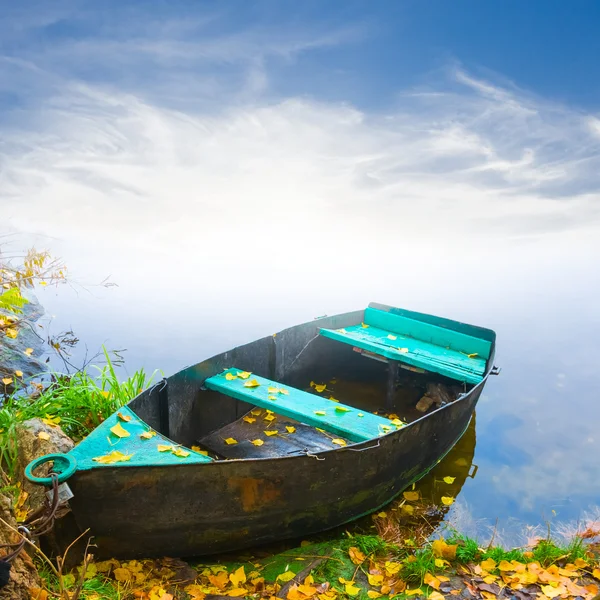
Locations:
{"points": [[23, 575], [31, 446], [424, 404]]}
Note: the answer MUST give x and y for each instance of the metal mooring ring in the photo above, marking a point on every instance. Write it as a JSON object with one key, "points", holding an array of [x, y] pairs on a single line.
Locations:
{"points": [[64, 467]]}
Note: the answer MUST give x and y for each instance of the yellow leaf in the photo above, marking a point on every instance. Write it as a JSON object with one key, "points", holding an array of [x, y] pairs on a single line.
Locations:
{"points": [[321, 413], [551, 592], [473, 355], [408, 508], [244, 374], [307, 590], [219, 580], [180, 452], [392, 337], [411, 496], [114, 457], [164, 448], [251, 384], [375, 580], [489, 564], [596, 573], [360, 415], [580, 563], [230, 441], [123, 417], [42, 435], [147, 435], [199, 450], [238, 577], [257, 442], [391, 568], [11, 333], [28, 351], [431, 581], [364, 325], [505, 566], [230, 376], [51, 420], [290, 429], [342, 409], [7, 380], [436, 596], [413, 592], [449, 479], [284, 392], [270, 417], [271, 397], [249, 419], [356, 556], [403, 350], [286, 576], [320, 387], [122, 574], [119, 431], [272, 390], [270, 432], [373, 594], [105, 393], [443, 550], [398, 422], [19, 373], [256, 412], [447, 500], [237, 592], [351, 590], [382, 515], [339, 442]]}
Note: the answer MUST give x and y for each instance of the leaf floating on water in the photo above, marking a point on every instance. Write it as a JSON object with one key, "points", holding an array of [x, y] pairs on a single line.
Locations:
{"points": [[342, 409], [449, 479], [230, 376], [249, 419], [164, 447], [290, 429], [28, 351], [238, 577], [123, 417], [320, 413], [271, 432], [244, 374], [7, 380], [411, 496], [230, 441], [339, 442], [257, 442], [114, 457], [147, 435], [19, 373], [43, 435], [447, 500], [251, 384], [119, 431], [392, 337]]}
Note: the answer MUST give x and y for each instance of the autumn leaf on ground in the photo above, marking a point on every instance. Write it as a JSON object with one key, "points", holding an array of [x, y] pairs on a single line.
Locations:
{"points": [[251, 384], [381, 515], [489, 564], [147, 435], [408, 509], [442, 549], [286, 576], [270, 417], [356, 556], [431, 581], [238, 577], [230, 441], [51, 420], [180, 452], [352, 590], [122, 574], [123, 417], [119, 431], [195, 592], [164, 447], [411, 496], [447, 500], [373, 594], [391, 568], [449, 479], [114, 457], [256, 412], [339, 442], [244, 374], [43, 435], [219, 580], [436, 596], [375, 580], [257, 442], [415, 592]]}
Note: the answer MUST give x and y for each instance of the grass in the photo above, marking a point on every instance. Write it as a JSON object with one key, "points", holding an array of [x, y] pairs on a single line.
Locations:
{"points": [[79, 402]]}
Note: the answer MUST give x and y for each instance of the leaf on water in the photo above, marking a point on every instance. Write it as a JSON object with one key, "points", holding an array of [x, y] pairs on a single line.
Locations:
{"points": [[244, 374], [411, 496], [7, 380], [339, 442], [147, 435], [123, 417], [321, 413], [11, 333], [392, 337], [352, 590], [114, 457], [230, 376], [19, 373], [449, 479], [342, 409], [180, 452], [43, 435], [290, 429], [270, 432], [270, 418], [28, 351], [230, 441], [286, 576], [251, 384], [257, 442], [164, 447], [238, 577], [319, 387], [356, 556], [447, 500], [119, 431]]}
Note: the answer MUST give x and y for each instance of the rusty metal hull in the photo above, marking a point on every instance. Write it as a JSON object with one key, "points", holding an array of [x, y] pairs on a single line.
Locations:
{"points": [[192, 510]]}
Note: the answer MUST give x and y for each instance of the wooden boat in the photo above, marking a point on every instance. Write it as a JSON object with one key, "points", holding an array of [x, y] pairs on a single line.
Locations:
{"points": [[191, 466]]}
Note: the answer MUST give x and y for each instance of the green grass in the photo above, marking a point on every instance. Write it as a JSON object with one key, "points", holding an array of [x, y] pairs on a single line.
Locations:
{"points": [[81, 401]]}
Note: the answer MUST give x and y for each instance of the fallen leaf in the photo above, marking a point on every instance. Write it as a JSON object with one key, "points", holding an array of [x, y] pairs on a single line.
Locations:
{"points": [[360, 415], [413, 592], [230, 376], [440, 563], [381, 515], [256, 412], [373, 594], [449, 479], [342, 409], [321, 413], [238, 577], [504, 565], [447, 500], [375, 580], [473, 355], [180, 452], [270, 418], [230, 441], [7, 380], [195, 592], [364, 325], [119, 431], [284, 392], [270, 432], [122, 574], [286, 576], [251, 384], [551, 592], [19, 373], [356, 556], [147, 435], [320, 387], [244, 374], [391, 568], [271, 397], [411, 496], [51, 420], [436, 596], [392, 337], [199, 450], [219, 580], [403, 350], [290, 429], [257, 442], [443, 550], [164, 447], [43, 435], [36, 593], [28, 351], [489, 564], [408, 508], [352, 590], [431, 581], [249, 419], [339, 442], [123, 417]]}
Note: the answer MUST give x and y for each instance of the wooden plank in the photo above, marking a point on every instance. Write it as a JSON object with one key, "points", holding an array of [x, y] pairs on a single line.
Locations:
{"points": [[334, 417]]}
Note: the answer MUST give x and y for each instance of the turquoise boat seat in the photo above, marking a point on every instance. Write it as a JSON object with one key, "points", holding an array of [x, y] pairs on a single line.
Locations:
{"points": [[417, 343], [329, 415]]}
